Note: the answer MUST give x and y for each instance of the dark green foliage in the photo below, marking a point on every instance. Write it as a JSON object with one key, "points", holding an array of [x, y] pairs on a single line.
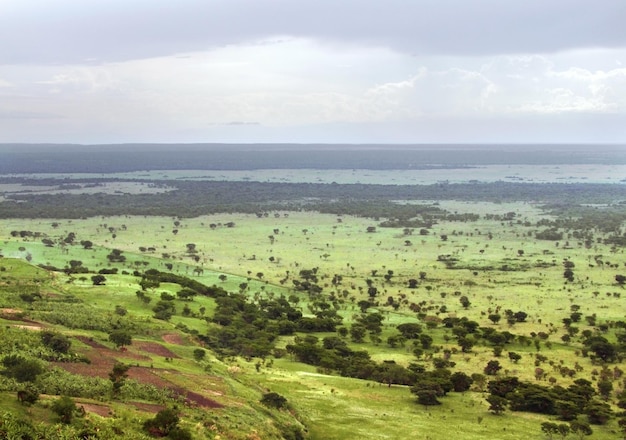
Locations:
{"points": [[580, 428], [602, 348], [166, 296], [492, 368], [118, 376], [98, 280], [410, 330], [426, 341], [431, 385], [164, 310], [199, 354], [116, 256], [494, 317], [274, 400], [391, 373], [186, 294], [465, 302], [30, 297], [550, 429], [185, 282], [250, 330], [56, 341], [533, 398], [605, 387], [598, 413], [461, 381], [163, 423], [549, 234], [504, 386], [120, 337], [293, 433], [65, 408], [357, 332], [497, 404], [21, 368], [28, 394]]}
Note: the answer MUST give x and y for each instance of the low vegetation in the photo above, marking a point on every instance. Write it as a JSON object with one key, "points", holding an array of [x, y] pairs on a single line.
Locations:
{"points": [[499, 320]]}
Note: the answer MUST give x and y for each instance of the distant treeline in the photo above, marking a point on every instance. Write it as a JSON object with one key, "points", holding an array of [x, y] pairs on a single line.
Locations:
{"points": [[128, 158], [191, 199]]}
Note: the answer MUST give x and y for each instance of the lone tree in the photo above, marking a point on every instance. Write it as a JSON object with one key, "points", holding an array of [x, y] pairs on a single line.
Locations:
{"points": [[492, 368], [495, 318], [273, 400], [65, 408], [118, 376], [98, 280], [465, 302], [165, 424], [120, 338]]}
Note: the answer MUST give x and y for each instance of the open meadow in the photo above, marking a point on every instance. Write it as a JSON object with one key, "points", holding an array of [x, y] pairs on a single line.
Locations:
{"points": [[244, 310], [496, 264]]}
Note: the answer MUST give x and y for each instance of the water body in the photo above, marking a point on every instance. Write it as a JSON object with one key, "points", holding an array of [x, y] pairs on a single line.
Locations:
{"points": [[561, 173]]}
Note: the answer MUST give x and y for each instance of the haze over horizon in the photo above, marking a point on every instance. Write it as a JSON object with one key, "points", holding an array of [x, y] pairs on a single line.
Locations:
{"points": [[263, 71]]}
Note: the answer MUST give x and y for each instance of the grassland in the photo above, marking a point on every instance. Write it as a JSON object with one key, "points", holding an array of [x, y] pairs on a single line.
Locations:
{"points": [[497, 264]]}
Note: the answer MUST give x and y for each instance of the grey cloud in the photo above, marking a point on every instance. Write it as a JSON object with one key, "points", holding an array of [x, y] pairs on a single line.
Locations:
{"points": [[76, 31], [10, 114]]}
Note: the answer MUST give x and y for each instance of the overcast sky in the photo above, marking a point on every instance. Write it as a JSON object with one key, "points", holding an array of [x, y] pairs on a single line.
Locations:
{"points": [[357, 71]]}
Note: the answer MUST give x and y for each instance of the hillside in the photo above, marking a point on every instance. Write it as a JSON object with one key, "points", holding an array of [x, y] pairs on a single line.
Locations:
{"points": [[300, 325]]}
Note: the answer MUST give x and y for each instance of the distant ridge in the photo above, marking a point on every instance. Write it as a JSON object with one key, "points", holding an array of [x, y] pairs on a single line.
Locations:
{"points": [[112, 158]]}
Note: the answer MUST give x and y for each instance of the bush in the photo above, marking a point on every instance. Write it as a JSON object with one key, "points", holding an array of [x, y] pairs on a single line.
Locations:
{"points": [[274, 400], [65, 408], [28, 395], [21, 369], [56, 341], [163, 423]]}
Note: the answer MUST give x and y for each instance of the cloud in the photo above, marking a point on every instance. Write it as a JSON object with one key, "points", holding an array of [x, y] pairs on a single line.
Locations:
{"points": [[26, 115], [75, 31], [238, 69]]}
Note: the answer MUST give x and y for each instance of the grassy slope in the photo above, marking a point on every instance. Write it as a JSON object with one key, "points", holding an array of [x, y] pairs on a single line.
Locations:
{"points": [[346, 408]]}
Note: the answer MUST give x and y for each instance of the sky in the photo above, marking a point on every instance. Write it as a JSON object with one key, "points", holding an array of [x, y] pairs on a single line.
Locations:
{"points": [[313, 71]]}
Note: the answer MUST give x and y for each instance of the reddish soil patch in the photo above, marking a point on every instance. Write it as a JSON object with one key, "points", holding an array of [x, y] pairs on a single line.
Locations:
{"points": [[199, 400], [175, 339], [102, 350], [153, 377], [155, 348], [17, 315], [101, 410], [103, 359], [91, 342]]}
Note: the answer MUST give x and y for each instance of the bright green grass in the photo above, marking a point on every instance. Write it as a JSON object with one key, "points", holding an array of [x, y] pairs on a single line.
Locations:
{"points": [[355, 410], [344, 408]]}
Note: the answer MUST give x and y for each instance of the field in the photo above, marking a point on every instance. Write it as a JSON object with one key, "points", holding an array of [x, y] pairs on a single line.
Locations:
{"points": [[476, 270]]}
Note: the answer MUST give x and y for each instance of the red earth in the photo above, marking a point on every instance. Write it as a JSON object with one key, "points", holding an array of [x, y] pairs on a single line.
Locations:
{"points": [[103, 358], [175, 339]]}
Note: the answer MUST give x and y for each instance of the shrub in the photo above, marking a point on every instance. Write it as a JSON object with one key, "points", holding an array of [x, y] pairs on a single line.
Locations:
{"points": [[274, 400]]}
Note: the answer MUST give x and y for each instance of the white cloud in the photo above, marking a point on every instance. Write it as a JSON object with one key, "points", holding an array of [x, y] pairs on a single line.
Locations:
{"points": [[284, 84]]}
